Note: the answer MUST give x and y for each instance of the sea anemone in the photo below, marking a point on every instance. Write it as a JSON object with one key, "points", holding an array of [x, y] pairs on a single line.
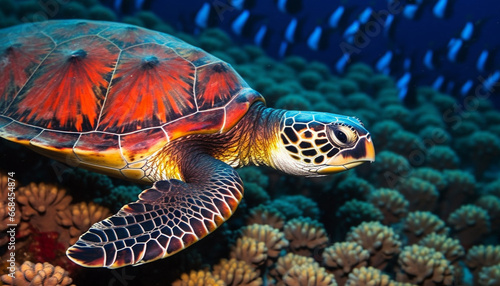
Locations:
{"points": [[380, 240], [424, 266], [391, 203], [419, 224], [30, 273], [236, 272], [306, 236], [342, 257], [469, 224], [198, 278]]}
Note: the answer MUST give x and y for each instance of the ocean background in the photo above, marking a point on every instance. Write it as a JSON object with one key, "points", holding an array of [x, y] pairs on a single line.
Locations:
{"points": [[426, 212]]}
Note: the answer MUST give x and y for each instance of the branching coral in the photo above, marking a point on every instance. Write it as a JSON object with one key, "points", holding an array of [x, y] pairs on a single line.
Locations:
{"points": [[296, 206], [419, 224], [308, 274], [40, 204], [265, 214], [378, 239], [489, 276], [449, 247], [198, 278], [236, 273], [355, 212], [460, 189], [368, 276], [288, 261], [421, 194], [79, 217], [249, 250], [432, 176], [273, 238], [305, 236], [469, 223], [391, 203], [491, 204], [342, 257], [482, 149], [481, 256], [38, 274], [424, 266], [389, 169]]}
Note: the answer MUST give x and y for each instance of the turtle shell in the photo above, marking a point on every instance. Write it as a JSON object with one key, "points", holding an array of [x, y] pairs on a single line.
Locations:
{"points": [[111, 93]]}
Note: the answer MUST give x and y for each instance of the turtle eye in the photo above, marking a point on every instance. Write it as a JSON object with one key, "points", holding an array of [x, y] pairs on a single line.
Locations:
{"points": [[342, 135]]}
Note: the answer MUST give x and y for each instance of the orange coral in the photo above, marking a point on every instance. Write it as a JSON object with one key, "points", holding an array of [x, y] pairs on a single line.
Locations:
{"points": [[470, 223], [273, 238], [198, 278], [424, 266], [79, 217], [266, 215], [342, 257], [249, 250], [236, 272], [305, 236], [391, 203], [378, 239], [419, 224], [368, 276], [38, 274]]}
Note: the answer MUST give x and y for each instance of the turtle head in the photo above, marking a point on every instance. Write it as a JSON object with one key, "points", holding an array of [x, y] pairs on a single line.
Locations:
{"points": [[315, 144]]}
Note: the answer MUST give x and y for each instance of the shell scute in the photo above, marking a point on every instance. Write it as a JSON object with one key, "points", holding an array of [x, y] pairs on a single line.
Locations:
{"points": [[153, 84], [139, 145], [99, 149], [81, 67]]}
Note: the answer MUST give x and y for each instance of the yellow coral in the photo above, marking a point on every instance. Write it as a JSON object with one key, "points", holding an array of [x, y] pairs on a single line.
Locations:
{"points": [[368, 276], [305, 235], [79, 217], [266, 215], [342, 257], [273, 238], [378, 239], [249, 250], [449, 247], [424, 266], [391, 203], [489, 276], [38, 199], [308, 275], [419, 224], [38, 274], [469, 223], [237, 273], [198, 278]]}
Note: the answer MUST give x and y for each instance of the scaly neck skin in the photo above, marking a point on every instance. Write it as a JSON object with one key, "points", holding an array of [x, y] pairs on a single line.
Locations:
{"points": [[253, 140]]}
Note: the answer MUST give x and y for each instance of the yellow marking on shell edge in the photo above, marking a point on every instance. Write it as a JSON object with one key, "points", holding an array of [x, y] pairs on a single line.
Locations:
{"points": [[134, 174], [110, 159]]}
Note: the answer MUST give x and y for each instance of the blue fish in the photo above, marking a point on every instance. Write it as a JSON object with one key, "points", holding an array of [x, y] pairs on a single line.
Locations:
{"points": [[383, 65], [239, 23], [336, 17], [290, 31], [313, 42]]}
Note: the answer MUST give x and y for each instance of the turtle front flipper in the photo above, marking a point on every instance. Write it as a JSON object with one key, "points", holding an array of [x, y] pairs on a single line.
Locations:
{"points": [[167, 218]]}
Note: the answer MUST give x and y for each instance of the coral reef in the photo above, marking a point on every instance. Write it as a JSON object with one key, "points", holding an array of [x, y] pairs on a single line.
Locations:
{"points": [[43, 274], [426, 212]]}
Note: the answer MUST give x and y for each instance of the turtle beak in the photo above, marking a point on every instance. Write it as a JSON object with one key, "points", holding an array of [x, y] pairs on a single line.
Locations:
{"points": [[363, 152]]}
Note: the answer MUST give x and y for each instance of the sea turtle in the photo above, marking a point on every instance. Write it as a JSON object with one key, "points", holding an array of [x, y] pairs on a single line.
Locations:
{"points": [[145, 106]]}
